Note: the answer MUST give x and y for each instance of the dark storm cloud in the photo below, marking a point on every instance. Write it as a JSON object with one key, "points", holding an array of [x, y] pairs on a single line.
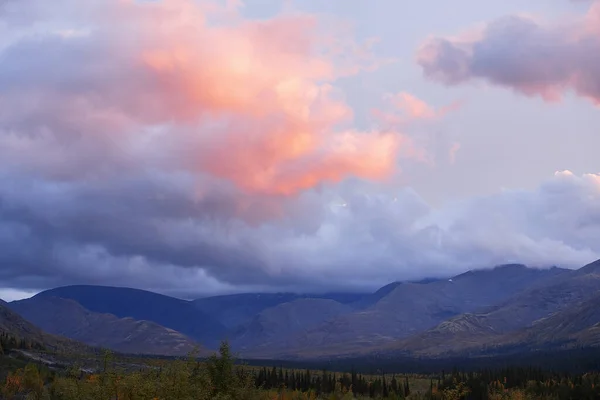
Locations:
{"points": [[113, 235]]}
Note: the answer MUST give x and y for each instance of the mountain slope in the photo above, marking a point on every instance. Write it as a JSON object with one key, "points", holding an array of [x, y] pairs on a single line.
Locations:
{"points": [[15, 325], [274, 325], [179, 315], [237, 310], [578, 324], [529, 318], [68, 318], [405, 309]]}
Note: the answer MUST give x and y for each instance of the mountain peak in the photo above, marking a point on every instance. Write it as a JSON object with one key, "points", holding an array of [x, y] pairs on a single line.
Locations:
{"points": [[510, 266], [497, 269], [592, 267]]}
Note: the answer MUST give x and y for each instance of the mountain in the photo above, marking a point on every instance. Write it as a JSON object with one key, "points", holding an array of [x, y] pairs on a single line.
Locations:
{"points": [[529, 318], [576, 325], [68, 318], [400, 310], [179, 315], [284, 320], [590, 269], [236, 310], [15, 325], [491, 311], [367, 301]]}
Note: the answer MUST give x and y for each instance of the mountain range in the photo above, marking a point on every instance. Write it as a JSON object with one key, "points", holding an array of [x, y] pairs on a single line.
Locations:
{"points": [[505, 309]]}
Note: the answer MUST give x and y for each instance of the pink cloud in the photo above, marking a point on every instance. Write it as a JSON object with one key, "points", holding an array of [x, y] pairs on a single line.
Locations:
{"points": [[412, 106], [403, 108], [532, 57], [252, 102]]}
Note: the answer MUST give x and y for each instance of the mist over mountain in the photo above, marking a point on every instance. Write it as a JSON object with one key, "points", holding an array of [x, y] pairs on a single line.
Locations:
{"points": [[493, 310]]}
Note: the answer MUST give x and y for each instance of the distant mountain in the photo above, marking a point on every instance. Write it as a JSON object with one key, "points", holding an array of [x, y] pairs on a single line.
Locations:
{"points": [[15, 325], [179, 315], [68, 318], [400, 310], [275, 324], [590, 269], [491, 311], [236, 310], [367, 301], [576, 325], [537, 317]]}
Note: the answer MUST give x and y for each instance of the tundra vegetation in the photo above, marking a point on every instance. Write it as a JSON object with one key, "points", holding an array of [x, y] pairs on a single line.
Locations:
{"points": [[220, 378]]}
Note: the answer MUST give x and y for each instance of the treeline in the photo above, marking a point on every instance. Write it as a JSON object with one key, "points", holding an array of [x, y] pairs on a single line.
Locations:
{"points": [[190, 379], [220, 377], [519, 382], [573, 360], [10, 342], [328, 382], [216, 378]]}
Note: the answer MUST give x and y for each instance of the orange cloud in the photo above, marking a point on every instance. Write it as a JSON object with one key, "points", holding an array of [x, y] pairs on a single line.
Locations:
{"points": [[256, 98]]}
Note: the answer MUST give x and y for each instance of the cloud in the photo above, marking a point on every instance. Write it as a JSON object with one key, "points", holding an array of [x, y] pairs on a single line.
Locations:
{"points": [[9, 294], [404, 108], [250, 101], [142, 232], [532, 57], [452, 153], [179, 147]]}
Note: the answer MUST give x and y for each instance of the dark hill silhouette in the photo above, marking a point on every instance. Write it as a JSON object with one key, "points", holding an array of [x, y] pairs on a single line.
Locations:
{"points": [[179, 315], [66, 317]]}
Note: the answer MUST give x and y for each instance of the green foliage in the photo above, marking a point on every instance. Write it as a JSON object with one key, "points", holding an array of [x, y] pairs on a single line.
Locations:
{"points": [[187, 379], [220, 378]]}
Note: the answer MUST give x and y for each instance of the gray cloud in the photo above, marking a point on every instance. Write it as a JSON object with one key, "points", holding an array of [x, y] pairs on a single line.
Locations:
{"points": [[532, 57], [110, 234], [103, 179]]}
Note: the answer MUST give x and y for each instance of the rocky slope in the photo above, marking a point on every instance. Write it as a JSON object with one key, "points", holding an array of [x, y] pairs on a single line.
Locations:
{"points": [[536, 317]]}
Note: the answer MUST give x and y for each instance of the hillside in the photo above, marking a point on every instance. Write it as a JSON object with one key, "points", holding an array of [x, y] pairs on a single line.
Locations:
{"points": [[535, 317], [489, 311], [575, 325], [275, 324], [14, 325], [179, 315], [237, 310], [404, 309], [68, 318]]}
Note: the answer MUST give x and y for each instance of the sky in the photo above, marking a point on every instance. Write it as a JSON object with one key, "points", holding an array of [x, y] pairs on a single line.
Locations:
{"points": [[205, 147]]}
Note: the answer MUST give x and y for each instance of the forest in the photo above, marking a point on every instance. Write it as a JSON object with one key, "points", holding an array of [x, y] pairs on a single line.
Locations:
{"points": [[221, 377]]}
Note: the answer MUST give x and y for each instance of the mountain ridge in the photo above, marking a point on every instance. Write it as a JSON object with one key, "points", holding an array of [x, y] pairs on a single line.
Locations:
{"points": [[169, 312], [67, 318], [480, 311], [15, 325]]}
